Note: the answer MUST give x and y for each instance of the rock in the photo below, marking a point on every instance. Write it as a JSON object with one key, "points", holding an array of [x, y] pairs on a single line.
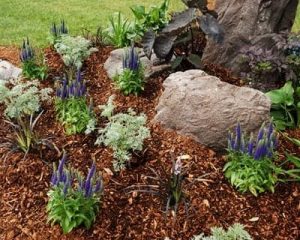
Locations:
{"points": [[9, 71], [203, 107], [249, 23], [114, 63]]}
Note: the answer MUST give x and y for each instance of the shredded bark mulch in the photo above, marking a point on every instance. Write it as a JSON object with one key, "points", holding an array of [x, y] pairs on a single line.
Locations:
{"points": [[212, 201]]}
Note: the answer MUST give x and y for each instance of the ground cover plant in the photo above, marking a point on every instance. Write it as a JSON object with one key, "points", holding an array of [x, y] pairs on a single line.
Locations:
{"points": [[135, 156]]}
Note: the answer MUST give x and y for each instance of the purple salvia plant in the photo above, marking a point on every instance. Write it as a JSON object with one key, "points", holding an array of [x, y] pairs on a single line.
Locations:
{"points": [[64, 178], [27, 52], [264, 146], [131, 60], [58, 31], [70, 89]]}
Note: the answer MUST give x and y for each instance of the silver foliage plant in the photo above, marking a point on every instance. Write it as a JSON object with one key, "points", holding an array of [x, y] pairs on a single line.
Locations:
{"points": [[74, 50], [235, 232], [125, 132], [23, 98]]}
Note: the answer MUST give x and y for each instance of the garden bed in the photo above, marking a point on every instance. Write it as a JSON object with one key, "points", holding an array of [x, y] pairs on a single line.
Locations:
{"points": [[213, 202]]}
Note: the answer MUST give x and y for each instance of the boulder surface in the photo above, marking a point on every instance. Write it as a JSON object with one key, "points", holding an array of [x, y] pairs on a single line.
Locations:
{"points": [[9, 71], [114, 63], [203, 107]]}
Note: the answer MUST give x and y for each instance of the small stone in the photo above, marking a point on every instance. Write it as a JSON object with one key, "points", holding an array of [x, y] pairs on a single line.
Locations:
{"points": [[9, 71]]}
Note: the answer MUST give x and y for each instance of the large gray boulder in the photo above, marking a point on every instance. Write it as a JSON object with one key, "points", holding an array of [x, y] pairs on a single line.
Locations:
{"points": [[114, 64], [9, 71], [205, 108], [249, 23]]}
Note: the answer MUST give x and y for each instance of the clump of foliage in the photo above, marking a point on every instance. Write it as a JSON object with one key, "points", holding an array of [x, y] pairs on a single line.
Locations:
{"points": [[125, 132], [23, 98], [120, 33], [73, 199], [30, 68], [71, 105], [194, 19], [234, 232], [73, 50], [57, 31], [132, 79], [285, 106], [22, 101], [156, 18], [250, 165], [263, 64], [98, 38]]}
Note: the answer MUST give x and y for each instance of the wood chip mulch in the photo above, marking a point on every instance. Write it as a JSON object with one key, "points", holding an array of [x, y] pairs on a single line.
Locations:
{"points": [[212, 200]]}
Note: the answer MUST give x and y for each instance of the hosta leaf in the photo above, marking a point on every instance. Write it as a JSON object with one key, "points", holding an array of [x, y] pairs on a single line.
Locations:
{"points": [[180, 21], [283, 95], [148, 42]]}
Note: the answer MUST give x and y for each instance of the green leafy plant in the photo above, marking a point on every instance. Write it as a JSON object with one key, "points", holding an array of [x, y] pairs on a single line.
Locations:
{"points": [[125, 132], [156, 18], [71, 106], [73, 200], [74, 50], [250, 165], [30, 68], [285, 106], [132, 79], [23, 98], [120, 33], [234, 232]]}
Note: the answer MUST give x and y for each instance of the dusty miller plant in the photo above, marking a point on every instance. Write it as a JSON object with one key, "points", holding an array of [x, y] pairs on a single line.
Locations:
{"points": [[74, 50], [235, 232], [124, 132], [24, 98]]}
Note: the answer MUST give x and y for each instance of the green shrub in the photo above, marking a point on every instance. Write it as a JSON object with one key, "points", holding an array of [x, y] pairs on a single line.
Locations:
{"points": [[71, 106], [31, 69], [73, 200], [156, 18], [250, 166], [124, 132], [120, 33], [132, 79], [235, 232]]}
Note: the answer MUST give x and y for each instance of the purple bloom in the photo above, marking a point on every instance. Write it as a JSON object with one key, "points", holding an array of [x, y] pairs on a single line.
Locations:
{"points": [[131, 60]]}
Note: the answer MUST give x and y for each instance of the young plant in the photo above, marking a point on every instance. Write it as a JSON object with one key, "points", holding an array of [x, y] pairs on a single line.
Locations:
{"points": [[234, 232], [74, 50], [131, 80], [120, 33], [30, 68], [125, 132], [285, 106], [23, 98], [250, 165], [71, 105], [73, 199], [175, 185], [156, 18], [57, 31]]}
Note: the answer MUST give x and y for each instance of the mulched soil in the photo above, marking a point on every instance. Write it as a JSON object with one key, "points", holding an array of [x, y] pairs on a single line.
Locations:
{"points": [[213, 202]]}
